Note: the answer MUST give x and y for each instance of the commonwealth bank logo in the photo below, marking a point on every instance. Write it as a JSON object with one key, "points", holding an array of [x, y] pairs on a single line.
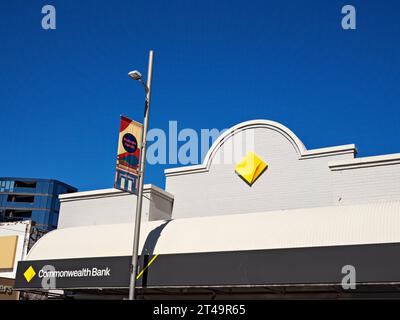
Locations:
{"points": [[250, 168], [29, 274]]}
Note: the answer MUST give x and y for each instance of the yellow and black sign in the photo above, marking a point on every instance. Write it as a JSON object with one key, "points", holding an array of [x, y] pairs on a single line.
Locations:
{"points": [[250, 168], [375, 263]]}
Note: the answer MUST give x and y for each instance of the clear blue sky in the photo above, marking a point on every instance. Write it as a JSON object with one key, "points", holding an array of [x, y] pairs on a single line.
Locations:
{"points": [[217, 63]]}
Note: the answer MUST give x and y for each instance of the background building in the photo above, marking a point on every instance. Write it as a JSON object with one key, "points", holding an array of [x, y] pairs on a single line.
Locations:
{"points": [[14, 242], [32, 199]]}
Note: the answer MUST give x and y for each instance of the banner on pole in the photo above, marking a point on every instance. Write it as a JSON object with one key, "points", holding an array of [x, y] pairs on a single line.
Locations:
{"points": [[128, 159]]}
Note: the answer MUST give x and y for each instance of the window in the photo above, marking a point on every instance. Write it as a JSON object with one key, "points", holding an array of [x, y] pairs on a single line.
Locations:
{"points": [[16, 215], [20, 198], [6, 185], [25, 184]]}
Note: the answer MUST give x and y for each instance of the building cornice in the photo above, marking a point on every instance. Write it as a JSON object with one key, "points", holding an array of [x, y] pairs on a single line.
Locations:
{"points": [[366, 162], [111, 192]]}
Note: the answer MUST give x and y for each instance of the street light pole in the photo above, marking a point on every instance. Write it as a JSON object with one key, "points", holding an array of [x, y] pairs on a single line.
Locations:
{"points": [[142, 165]]}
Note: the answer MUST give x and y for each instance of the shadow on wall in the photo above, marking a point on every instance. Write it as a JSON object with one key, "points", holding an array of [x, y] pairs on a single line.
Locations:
{"points": [[152, 238]]}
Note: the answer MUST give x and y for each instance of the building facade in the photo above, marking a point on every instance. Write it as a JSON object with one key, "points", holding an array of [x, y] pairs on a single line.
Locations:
{"points": [[32, 199], [296, 177], [279, 220]]}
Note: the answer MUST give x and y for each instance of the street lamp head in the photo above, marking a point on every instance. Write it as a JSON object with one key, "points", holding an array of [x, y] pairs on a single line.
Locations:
{"points": [[136, 75]]}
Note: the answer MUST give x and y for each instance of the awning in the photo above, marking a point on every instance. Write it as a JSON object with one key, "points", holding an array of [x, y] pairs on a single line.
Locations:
{"points": [[290, 246]]}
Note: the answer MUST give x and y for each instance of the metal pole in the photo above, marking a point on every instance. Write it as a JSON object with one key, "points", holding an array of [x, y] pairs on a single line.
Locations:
{"points": [[136, 236]]}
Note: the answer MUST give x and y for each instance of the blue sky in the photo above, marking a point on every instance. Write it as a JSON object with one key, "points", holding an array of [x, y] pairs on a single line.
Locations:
{"points": [[217, 63]]}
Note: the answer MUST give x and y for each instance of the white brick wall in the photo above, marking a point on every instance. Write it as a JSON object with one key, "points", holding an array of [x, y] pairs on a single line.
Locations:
{"points": [[363, 185], [109, 206], [295, 178]]}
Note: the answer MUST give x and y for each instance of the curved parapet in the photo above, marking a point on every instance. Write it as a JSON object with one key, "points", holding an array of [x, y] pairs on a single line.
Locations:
{"points": [[282, 130], [291, 177]]}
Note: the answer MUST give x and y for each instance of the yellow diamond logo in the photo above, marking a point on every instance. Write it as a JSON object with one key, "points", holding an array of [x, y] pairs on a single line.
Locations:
{"points": [[250, 168], [29, 274]]}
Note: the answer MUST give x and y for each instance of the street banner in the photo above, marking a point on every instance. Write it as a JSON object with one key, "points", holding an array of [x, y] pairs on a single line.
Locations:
{"points": [[128, 159]]}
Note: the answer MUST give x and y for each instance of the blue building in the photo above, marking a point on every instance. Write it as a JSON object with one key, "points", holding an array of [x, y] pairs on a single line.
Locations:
{"points": [[34, 199]]}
